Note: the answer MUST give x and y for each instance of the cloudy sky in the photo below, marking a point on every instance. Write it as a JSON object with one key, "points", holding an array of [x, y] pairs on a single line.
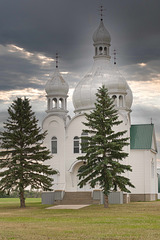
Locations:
{"points": [[31, 31]]}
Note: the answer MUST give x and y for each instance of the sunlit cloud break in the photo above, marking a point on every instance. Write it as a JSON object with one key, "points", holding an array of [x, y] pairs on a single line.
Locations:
{"points": [[8, 96], [34, 57], [142, 64], [146, 92], [64, 73]]}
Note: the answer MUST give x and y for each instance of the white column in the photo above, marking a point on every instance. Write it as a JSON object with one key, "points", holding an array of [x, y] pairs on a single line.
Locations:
{"points": [[48, 103], [57, 103], [51, 103], [117, 100], [65, 103]]}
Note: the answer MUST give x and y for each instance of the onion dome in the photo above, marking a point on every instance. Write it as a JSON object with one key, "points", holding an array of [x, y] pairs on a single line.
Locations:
{"points": [[57, 89], [102, 73], [101, 35], [57, 86], [105, 73]]}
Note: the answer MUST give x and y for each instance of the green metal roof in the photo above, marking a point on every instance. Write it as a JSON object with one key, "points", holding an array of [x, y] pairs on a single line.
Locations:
{"points": [[141, 136]]}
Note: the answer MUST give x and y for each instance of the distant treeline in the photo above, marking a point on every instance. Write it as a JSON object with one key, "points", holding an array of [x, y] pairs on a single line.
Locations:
{"points": [[15, 194]]}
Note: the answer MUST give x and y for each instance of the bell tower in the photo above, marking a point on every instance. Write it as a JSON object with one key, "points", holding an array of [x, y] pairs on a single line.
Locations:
{"points": [[57, 90]]}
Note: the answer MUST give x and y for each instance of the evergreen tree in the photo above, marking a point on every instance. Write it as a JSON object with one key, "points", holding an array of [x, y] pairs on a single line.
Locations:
{"points": [[22, 154], [104, 149]]}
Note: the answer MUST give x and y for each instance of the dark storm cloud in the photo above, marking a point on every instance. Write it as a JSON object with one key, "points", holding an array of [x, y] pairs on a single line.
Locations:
{"points": [[17, 73], [39, 26], [148, 72], [136, 29], [46, 26], [50, 25], [148, 114], [67, 26]]}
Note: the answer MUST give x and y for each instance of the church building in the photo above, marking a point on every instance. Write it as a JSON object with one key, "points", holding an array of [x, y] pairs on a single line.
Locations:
{"points": [[64, 133]]}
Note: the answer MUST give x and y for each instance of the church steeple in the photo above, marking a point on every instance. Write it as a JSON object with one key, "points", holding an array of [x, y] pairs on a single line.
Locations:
{"points": [[102, 40], [57, 90], [103, 72]]}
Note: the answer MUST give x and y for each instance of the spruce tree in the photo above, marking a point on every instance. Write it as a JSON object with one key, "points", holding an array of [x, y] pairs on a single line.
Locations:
{"points": [[103, 149], [22, 154]]}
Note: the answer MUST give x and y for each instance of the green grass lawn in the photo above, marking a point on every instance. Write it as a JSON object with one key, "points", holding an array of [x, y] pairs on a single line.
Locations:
{"points": [[136, 221]]}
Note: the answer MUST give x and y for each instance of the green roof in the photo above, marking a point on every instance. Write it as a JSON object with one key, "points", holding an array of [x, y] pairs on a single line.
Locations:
{"points": [[141, 136]]}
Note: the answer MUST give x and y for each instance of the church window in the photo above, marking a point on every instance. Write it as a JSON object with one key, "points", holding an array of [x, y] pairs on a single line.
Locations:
{"points": [[83, 141], [115, 99], [61, 103], [76, 144], [54, 102], [54, 145], [105, 50], [120, 101], [100, 50]]}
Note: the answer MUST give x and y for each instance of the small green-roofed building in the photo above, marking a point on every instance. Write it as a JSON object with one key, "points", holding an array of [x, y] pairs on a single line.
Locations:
{"points": [[142, 136], [143, 150]]}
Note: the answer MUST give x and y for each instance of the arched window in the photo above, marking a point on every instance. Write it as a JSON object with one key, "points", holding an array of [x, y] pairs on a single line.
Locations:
{"points": [[100, 50], [54, 145], [54, 102], [105, 50], [120, 101], [83, 141], [76, 144], [115, 99], [61, 102]]}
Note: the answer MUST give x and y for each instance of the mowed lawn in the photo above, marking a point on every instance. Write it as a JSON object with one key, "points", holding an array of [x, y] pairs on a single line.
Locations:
{"points": [[129, 221]]}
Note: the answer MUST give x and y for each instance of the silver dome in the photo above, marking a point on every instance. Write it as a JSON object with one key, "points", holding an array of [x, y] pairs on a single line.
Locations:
{"points": [[102, 73], [101, 35], [57, 85]]}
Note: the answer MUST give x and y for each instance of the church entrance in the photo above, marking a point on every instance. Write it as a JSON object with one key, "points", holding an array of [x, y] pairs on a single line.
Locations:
{"points": [[85, 188]]}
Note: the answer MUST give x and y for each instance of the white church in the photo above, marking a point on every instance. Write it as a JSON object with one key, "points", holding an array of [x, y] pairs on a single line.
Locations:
{"points": [[64, 133]]}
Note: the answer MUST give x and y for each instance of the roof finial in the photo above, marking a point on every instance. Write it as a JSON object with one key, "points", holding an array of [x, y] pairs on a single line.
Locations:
{"points": [[101, 12], [115, 56], [56, 59], [151, 121]]}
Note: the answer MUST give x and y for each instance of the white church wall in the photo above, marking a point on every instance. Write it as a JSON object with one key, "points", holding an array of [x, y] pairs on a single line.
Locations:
{"points": [[137, 176], [124, 126], [153, 173], [143, 176], [56, 128], [74, 128]]}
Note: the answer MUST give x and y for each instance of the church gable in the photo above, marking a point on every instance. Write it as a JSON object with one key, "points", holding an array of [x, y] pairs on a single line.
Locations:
{"points": [[142, 137]]}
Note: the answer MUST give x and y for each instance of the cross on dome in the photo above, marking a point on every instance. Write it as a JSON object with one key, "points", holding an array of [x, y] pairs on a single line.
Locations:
{"points": [[57, 60], [102, 40], [115, 54], [57, 86], [101, 12]]}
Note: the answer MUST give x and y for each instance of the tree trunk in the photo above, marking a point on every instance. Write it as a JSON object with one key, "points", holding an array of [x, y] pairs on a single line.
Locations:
{"points": [[106, 204], [22, 199]]}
